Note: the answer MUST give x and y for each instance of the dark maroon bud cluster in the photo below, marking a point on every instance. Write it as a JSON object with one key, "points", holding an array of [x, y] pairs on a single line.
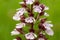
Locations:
{"points": [[41, 27], [42, 13], [22, 18], [42, 36], [42, 6], [43, 20]]}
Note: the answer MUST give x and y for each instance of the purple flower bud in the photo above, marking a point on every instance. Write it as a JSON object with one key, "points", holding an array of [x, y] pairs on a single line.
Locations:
{"points": [[42, 27], [42, 13], [42, 6], [43, 20]]}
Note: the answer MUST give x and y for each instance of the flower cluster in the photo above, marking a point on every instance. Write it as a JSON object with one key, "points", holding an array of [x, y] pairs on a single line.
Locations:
{"points": [[31, 7]]}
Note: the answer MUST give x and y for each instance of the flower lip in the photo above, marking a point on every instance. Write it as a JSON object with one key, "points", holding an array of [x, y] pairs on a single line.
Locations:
{"points": [[29, 20], [20, 25], [15, 32], [49, 32], [48, 24], [37, 8], [16, 18], [29, 1], [30, 36]]}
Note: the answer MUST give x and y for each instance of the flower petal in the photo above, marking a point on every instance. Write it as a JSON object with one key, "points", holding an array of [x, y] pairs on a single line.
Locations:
{"points": [[30, 1], [41, 39], [45, 14], [15, 32], [14, 39], [16, 18], [49, 32], [30, 36], [20, 25], [30, 20], [46, 8]]}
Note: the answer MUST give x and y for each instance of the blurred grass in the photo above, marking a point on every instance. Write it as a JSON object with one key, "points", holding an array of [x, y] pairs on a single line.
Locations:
{"points": [[8, 8]]}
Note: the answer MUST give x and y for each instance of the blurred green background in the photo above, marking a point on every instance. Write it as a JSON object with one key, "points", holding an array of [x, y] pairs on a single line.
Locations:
{"points": [[8, 9]]}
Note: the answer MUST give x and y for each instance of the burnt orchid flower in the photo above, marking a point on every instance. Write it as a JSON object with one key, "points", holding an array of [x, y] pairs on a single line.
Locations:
{"points": [[30, 36], [31, 7]]}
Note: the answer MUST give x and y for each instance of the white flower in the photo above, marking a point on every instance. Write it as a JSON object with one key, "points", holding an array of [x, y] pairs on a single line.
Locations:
{"points": [[37, 8], [47, 24], [30, 1], [20, 25], [49, 32], [30, 35], [30, 20], [15, 32], [17, 18], [45, 14], [41, 39], [19, 13], [21, 10], [46, 8], [14, 39], [21, 2]]}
